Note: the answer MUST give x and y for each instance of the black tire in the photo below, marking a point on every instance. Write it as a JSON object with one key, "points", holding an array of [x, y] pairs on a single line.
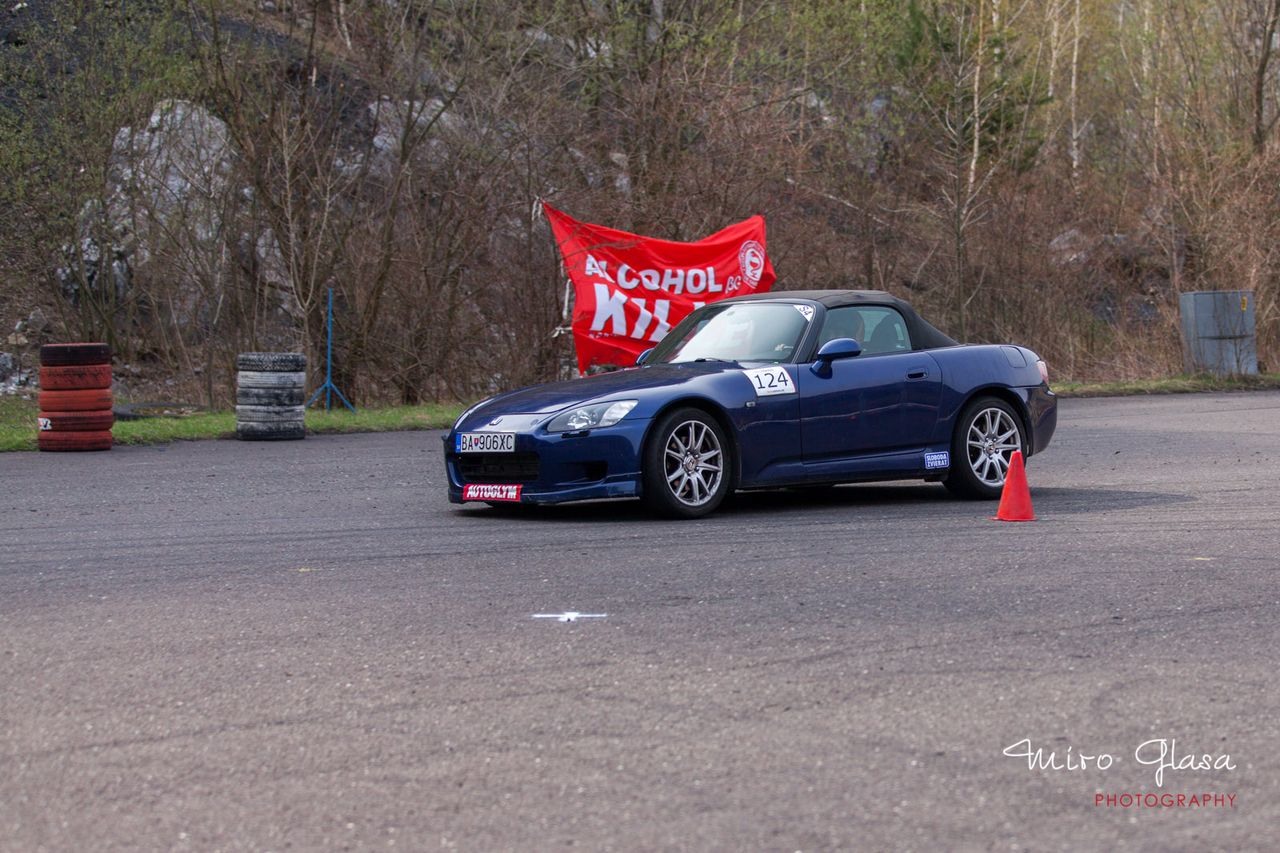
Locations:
{"points": [[269, 397], [270, 414], [74, 441], [265, 379], [75, 377], [62, 355], [251, 431], [691, 485], [98, 421], [86, 400], [981, 447], [271, 362]]}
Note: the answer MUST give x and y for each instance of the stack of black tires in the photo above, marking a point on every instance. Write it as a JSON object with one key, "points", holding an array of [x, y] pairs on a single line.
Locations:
{"points": [[75, 397], [269, 395]]}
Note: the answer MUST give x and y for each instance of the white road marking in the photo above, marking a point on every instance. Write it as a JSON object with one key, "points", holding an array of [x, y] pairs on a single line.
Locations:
{"points": [[569, 616]]}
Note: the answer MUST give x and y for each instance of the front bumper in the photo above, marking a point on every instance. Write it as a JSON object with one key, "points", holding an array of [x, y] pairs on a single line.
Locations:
{"points": [[552, 468]]}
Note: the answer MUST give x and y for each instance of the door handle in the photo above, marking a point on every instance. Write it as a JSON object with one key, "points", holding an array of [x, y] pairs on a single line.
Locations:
{"points": [[918, 373]]}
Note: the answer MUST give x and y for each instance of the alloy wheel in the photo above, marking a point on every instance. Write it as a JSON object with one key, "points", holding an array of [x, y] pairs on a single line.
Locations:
{"points": [[990, 442], [693, 463]]}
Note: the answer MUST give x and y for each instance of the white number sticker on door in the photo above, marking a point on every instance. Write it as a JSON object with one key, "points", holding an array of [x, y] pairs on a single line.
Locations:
{"points": [[768, 381]]}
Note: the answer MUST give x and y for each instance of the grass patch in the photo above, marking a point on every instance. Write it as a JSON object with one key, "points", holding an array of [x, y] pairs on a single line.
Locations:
{"points": [[18, 416], [158, 430], [18, 423], [395, 418], [1169, 385]]}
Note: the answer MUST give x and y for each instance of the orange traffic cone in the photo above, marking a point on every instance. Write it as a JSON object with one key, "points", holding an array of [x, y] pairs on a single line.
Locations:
{"points": [[1015, 498]]}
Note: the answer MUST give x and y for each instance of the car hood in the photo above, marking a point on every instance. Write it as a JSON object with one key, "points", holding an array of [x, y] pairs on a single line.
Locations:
{"points": [[554, 396]]}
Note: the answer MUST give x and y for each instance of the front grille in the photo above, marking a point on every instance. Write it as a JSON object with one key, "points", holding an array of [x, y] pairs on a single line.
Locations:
{"points": [[498, 467]]}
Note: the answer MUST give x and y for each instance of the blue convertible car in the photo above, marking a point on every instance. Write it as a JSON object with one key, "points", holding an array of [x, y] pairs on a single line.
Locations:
{"points": [[782, 389]]}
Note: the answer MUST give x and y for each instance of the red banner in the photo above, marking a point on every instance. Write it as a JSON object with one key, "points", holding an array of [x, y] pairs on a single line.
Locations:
{"points": [[630, 290]]}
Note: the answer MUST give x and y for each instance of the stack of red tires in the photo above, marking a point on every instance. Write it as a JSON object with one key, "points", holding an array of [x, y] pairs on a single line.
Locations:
{"points": [[75, 397]]}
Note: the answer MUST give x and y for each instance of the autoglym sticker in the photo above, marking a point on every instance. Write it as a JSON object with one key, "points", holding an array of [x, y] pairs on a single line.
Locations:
{"points": [[941, 459], [768, 381], [491, 492]]}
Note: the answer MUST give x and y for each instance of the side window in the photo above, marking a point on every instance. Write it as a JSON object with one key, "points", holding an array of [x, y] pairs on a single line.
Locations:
{"points": [[843, 323], [877, 328], [886, 331]]}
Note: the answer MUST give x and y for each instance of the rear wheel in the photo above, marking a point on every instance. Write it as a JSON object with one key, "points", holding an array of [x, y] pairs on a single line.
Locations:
{"points": [[687, 465], [987, 433]]}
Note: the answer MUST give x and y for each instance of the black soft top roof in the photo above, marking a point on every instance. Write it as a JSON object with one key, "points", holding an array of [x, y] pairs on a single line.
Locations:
{"points": [[923, 335]]}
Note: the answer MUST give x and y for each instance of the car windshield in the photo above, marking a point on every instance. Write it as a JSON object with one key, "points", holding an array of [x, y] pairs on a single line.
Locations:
{"points": [[744, 331]]}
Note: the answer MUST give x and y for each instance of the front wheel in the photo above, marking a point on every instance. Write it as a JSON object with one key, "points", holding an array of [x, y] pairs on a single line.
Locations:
{"points": [[987, 433], [687, 465]]}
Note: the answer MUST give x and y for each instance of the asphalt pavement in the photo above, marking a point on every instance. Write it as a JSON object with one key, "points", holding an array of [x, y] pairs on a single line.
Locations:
{"points": [[303, 645]]}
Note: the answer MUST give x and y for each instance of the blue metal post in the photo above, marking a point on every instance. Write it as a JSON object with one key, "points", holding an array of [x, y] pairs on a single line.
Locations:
{"points": [[328, 387]]}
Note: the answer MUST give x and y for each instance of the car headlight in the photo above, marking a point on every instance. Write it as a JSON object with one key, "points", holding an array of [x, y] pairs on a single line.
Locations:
{"points": [[590, 417]]}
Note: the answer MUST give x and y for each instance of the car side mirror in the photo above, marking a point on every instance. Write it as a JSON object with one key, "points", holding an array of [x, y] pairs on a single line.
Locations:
{"points": [[832, 350], [640, 359]]}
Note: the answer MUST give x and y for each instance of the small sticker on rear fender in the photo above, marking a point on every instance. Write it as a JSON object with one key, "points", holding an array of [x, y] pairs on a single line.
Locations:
{"points": [[45, 424], [941, 459]]}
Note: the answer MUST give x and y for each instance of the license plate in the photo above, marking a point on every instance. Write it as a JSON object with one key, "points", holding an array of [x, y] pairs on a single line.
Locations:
{"points": [[485, 442]]}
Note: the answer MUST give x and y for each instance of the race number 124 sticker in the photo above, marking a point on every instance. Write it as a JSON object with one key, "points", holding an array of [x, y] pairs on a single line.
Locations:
{"points": [[768, 381]]}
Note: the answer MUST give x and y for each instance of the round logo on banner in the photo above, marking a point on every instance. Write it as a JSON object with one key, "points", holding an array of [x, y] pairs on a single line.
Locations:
{"points": [[751, 260]]}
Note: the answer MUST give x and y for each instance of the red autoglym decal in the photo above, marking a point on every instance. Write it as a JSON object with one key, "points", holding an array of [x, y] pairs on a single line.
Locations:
{"points": [[493, 492]]}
